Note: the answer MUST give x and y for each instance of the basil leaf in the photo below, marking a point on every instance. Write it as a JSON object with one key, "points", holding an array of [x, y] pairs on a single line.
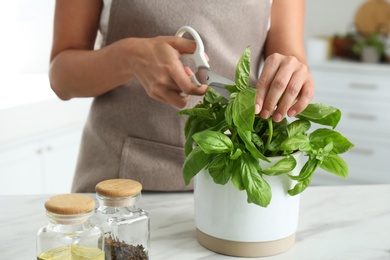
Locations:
{"points": [[236, 174], [257, 189], [192, 126], [277, 141], [298, 127], [295, 143], [307, 170], [213, 142], [283, 166], [198, 111], [304, 177], [321, 114], [249, 145], [236, 154], [300, 186], [257, 141], [229, 114], [194, 163], [232, 88], [219, 169], [244, 109], [335, 164], [243, 70], [212, 97], [340, 143]]}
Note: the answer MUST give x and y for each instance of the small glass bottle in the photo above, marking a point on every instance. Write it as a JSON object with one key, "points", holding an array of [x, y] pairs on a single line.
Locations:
{"points": [[126, 226], [70, 234]]}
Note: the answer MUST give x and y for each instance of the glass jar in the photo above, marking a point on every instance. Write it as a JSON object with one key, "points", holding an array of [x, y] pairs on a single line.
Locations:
{"points": [[70, 233], [126, 226]]}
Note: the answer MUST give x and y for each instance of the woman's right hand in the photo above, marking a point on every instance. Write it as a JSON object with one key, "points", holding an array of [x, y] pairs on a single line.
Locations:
{"points": [[155, 62], [77, 70]]}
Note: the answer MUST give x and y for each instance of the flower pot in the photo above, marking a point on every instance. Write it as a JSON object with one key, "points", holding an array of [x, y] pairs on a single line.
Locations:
{"points": [[226, 223], [370, 55]]}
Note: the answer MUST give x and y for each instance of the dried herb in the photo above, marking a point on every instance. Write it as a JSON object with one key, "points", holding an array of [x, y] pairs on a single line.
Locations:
{"points": [[117, 250]]}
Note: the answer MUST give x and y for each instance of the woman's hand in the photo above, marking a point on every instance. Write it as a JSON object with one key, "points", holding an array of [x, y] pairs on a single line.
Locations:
{"points": [[156, 65], [285, 83], [77, 70]]}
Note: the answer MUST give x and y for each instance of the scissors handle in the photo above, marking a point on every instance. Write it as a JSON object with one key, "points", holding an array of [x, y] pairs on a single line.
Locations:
{"points": [[198, 56]]}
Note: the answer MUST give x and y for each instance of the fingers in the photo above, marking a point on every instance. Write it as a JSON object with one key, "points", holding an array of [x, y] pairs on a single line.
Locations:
{"points": [[263, 84], [161, 72], [285, 87], [182, 45]]}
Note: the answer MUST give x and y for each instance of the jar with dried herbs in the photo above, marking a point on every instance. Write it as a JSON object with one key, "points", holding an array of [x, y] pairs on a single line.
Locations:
{"points": [[70, 233], [126, 225]]}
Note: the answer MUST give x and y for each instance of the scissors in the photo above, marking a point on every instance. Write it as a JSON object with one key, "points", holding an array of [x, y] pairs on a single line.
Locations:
{"points": [[204, 75]]}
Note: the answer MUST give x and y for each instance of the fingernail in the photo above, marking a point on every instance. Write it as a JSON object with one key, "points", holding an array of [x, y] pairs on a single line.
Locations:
{"points": [[277, 117], [265, 114], [257, 109], [292, 113], [188, 71]]}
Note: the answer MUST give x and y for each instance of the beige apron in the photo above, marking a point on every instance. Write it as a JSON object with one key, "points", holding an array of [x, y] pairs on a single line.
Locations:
{"points": [[130, 135]]}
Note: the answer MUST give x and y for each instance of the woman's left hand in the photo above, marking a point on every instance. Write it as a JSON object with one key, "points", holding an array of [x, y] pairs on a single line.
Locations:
{"points": [[285, 87]]}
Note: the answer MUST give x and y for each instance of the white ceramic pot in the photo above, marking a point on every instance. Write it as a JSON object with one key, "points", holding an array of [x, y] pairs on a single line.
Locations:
{"points": [[370, 55], [226, 223]]}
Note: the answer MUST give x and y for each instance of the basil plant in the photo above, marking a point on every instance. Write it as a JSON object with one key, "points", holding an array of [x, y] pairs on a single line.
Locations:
{"points": [[228, 139]]}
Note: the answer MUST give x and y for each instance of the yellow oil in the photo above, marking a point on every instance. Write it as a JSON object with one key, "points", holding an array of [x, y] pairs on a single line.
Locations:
{"points": [[73, 252]]}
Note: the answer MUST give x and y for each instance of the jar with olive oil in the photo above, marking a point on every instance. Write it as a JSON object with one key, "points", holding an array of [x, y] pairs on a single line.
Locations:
{"points": [[70, 234]]}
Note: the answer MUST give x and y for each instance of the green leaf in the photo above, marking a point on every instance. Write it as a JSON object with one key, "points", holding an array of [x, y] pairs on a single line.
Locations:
{"points": [[304, 177], [191, 127], [298, 127], [200, 112], [321, 114], [307, 170], [213, 142], [340, 143], [283, 166], [249, 145], [194, 163], [244, 109], [276, 143], [219, 169], [243, 70], [236, 174], [213, 97], [295, 143], [257, 141], [257, 189], [229, 114], [236, 154], [232, 88], [300, 187], [335, 164]]}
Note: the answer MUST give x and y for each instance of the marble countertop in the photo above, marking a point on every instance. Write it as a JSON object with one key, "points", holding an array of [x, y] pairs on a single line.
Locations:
{"points": [[336, 223]]}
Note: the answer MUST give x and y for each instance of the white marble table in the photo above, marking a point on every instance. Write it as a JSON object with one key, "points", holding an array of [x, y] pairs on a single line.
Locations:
{"points": [[336, 223]]}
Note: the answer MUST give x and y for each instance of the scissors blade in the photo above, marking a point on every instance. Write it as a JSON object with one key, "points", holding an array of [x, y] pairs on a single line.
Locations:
{"points": [[217, 82]]}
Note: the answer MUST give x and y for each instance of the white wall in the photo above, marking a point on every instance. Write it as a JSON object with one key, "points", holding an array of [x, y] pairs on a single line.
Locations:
{"points": [[26, 35], [329, 17], [26, 32]]}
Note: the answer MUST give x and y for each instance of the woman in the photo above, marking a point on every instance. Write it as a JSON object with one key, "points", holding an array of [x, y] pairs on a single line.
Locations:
{"points": [[136, 77]]}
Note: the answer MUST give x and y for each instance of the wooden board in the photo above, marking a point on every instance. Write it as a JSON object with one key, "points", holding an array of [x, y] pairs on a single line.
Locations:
{"points": [[373, 16]]}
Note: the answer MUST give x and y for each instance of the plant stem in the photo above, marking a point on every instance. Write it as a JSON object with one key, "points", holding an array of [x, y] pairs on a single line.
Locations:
{"points": [[270, 133]]}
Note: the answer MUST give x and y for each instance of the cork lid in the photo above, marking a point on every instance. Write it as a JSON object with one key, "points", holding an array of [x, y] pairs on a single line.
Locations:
{"points": [[118, 188], [70, 204]]}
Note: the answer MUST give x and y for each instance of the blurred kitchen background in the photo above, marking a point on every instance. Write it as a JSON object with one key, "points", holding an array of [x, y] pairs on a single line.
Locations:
{"points": [[348, 48]]}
